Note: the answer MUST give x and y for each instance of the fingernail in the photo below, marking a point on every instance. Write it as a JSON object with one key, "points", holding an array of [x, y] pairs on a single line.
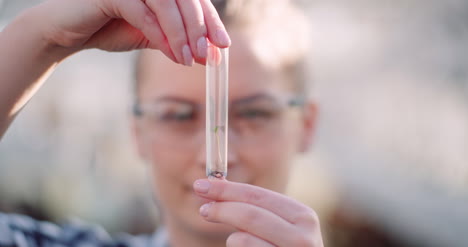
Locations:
{"points": [[187, 54], [202, 186], [202, 47], [205, 208], [223, 37]]}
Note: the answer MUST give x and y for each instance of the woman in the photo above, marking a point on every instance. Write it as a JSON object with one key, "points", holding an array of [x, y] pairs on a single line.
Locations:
{"points": [[270, 121]]}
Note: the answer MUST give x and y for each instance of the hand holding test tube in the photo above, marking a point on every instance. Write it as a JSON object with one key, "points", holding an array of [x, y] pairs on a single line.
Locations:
{"points": [[216, 111]]}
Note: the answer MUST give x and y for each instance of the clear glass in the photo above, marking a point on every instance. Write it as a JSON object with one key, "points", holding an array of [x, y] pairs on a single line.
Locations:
{"points": [[216, 111]]}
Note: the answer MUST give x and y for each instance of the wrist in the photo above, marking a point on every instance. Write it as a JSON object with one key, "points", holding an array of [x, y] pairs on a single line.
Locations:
{"points": [[33, 28]]}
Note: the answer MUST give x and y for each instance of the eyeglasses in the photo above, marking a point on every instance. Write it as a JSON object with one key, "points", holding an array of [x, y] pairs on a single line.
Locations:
{"points": [[178, 123]]}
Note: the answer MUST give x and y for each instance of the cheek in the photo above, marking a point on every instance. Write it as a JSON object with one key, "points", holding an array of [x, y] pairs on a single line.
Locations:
{"points": [[170, 161], [270, 160], [280, 146], [166, 162], [170, 170], [168, 167]]}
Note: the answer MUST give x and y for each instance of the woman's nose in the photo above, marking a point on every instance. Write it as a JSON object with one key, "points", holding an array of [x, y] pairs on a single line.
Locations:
{"points": [[200, 148], [232, 148]]}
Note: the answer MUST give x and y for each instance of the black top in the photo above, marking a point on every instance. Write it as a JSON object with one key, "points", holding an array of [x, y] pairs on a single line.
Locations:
{"points": [[23, 231]]}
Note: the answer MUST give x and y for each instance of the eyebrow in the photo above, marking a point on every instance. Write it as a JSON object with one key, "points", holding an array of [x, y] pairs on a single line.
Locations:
{"points": [[255, 97], [248, 99], [174, 99]]}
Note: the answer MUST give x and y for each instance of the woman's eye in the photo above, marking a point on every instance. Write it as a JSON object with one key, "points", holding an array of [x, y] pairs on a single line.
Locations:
{"points": [[254, 114], [177, 116]]}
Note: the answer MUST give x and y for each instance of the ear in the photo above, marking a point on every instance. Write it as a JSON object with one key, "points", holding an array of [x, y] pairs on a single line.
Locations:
{"points": [[309, 123], [139, 138]]}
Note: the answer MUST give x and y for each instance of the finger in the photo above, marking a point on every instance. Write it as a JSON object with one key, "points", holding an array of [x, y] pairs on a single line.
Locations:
{"points": [[172, 25], [251, 219], [141, 17], [216, 31], [194, 22], [281, 205], [214, 56], [242, 239]]}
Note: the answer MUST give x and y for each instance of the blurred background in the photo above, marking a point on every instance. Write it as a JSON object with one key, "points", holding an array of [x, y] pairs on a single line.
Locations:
{"points": [[389, 165]]}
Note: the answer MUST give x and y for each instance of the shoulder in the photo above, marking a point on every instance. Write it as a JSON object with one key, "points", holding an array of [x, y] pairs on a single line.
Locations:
{"points": [[23, 231]]}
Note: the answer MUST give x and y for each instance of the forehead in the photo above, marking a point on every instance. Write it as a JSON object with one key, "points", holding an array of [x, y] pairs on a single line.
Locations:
{"points": [[160, 77]]}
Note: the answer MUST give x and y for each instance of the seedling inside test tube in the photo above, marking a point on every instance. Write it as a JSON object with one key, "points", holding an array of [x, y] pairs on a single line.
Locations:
{"points": [[216, 111]]}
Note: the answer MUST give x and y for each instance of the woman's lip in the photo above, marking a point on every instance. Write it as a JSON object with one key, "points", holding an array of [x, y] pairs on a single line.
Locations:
{"points": [[196, 197], [201, 200]]}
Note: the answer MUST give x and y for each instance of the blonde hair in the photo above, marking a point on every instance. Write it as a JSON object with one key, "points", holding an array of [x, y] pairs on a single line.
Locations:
{"points": [[278, 32]]}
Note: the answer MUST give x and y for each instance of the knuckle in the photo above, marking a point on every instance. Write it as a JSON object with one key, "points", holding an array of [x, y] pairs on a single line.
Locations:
{"points": [[249, 217], [212, 15], [162, 3], [308, 217], [237, 239], [198, 28], [254, 196], [304, 240], [177, 42], [66, 38], [213, 29], [194, 36]]}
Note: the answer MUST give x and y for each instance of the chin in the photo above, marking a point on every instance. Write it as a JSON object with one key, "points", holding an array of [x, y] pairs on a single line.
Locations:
{"points": [[214, 230], [189, 219]]}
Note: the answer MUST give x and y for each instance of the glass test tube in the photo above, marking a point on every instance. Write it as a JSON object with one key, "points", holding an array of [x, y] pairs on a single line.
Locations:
{"points": [[216, 111]]}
